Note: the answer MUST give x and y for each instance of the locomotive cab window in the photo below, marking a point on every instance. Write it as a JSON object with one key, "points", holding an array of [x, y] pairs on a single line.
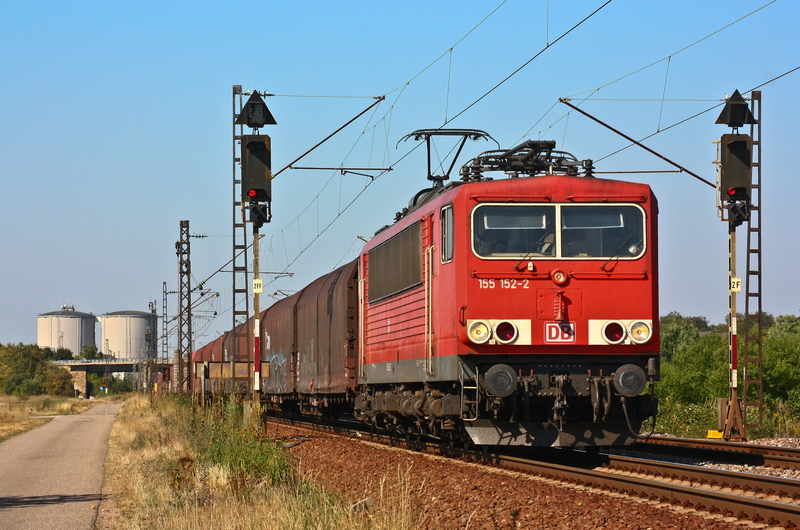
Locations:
{"points": [[601, 231], [503, 231], [447, 233], [557, 231]]}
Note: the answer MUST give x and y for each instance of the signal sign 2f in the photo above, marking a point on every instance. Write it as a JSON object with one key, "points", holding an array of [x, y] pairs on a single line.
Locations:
{"points": [[559, 332]]}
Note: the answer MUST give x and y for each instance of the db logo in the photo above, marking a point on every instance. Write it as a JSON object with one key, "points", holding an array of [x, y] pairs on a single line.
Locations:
{"points": [[559, 332]]}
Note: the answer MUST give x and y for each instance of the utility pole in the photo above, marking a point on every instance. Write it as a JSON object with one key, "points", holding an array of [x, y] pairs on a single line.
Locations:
{"points": [[257, 289], [183, 381], [152, 350], [733, 429], [164, 341]]}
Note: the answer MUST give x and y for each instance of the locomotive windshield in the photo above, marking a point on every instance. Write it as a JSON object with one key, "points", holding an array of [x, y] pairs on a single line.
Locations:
{"points": [[555, 231]]}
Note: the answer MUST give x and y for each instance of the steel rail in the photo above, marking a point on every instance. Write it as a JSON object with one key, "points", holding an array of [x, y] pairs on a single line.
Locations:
{"points": [[786, 489], [763, 455]]}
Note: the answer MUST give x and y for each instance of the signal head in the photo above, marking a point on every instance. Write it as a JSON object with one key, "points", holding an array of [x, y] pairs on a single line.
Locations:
{"points": [[256, 168], [735, 180]]}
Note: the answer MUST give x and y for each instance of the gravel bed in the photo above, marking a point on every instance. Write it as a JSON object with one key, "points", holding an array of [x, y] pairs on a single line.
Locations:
{"points": [[451, 494], [777, 442]]}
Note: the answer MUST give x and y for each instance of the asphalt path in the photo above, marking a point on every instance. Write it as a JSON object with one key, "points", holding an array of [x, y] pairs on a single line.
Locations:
{"points": [[51, 477]]}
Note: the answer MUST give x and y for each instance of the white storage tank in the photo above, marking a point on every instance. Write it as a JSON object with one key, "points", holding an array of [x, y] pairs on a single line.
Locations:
{"points": [[67, 328], [125, 334]]}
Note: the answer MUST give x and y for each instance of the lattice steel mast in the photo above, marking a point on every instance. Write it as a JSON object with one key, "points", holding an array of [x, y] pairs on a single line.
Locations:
{"points": [[183, 354], [241, 302], [753, 391]]}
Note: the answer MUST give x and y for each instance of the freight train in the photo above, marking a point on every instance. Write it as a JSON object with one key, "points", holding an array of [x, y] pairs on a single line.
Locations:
{"points": [[516, 310]]}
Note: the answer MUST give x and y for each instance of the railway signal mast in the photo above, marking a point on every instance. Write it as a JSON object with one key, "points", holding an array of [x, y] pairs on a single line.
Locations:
{"points": [[735, 187], [256, 188]]}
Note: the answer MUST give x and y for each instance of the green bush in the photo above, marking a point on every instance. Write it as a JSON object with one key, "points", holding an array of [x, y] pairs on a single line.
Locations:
{"points": [[224, 438], [782, 367], [678, 332], [692, 420], [695, 371], [780, 421]]}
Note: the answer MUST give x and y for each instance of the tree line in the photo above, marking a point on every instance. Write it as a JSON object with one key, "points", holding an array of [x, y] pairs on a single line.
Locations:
{"points": [[695, 371], [26, 370]]}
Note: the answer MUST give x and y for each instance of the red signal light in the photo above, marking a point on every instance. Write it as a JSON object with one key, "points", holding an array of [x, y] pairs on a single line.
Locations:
{"points": [[738, 194], [256, 195]]}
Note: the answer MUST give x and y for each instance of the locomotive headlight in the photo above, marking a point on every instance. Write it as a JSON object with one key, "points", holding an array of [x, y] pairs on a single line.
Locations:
{"points": [[479, 332], [505, 332], [613, 332], [640, 332]]}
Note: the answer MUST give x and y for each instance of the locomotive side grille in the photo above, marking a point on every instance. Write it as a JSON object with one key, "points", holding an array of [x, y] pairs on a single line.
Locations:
{"points": [[395, 265]]}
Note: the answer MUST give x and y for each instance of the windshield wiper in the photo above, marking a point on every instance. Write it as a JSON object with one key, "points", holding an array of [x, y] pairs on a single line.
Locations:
{"points": [[535, 246], [616, 252]]}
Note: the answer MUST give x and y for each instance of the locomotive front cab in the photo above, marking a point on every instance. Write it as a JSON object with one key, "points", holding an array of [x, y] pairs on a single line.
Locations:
{"points": [[560, 328], [516, 311]]}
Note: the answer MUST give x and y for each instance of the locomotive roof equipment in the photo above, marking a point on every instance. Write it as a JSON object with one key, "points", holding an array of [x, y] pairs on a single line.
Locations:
{"points": [[466, 134], [530, 158]]}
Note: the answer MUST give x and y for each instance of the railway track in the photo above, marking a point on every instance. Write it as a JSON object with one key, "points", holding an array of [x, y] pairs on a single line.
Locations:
{"points": [[730, 493], [759, 498], [759, 486], [744, 453]]}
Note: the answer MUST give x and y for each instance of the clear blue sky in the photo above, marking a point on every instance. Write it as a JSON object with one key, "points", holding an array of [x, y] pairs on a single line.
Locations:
{"points": [[115, 125]]}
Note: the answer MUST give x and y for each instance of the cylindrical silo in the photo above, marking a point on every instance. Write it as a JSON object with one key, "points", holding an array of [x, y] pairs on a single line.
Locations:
{"points": [[67, 328], [125, 334]]}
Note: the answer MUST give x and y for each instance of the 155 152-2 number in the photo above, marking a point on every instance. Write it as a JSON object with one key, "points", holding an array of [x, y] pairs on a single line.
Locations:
{"points": [[503, 284]]}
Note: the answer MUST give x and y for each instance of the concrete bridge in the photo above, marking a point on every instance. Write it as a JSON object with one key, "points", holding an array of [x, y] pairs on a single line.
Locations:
{"points": [[79, 368]]}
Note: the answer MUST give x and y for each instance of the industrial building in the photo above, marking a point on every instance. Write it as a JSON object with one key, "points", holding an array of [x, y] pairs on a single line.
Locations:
{"points": [[125, 334], [67, 328]]}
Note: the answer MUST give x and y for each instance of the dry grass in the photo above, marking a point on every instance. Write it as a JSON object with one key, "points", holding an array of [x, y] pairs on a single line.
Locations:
{"points": [[163, 479], [18, 415]]}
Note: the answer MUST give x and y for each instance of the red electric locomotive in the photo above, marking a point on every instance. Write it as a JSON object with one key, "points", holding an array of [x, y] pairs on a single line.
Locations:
{"points": [[511, 311]]}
